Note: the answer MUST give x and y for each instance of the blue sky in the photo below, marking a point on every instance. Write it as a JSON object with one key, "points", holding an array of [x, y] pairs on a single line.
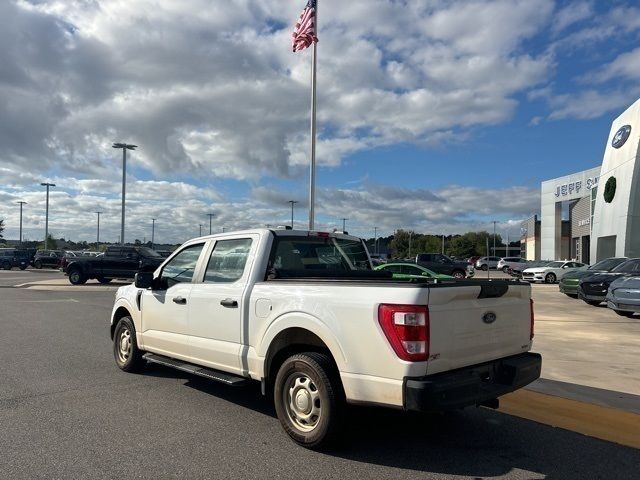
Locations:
{"points": [[434, 115]]}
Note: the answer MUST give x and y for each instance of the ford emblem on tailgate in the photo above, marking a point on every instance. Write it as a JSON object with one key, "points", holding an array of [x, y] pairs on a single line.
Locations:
{"points": [[489, 317]]}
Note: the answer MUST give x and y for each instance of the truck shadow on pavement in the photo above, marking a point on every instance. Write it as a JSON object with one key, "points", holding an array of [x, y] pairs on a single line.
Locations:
{"points": [[476, 442]]}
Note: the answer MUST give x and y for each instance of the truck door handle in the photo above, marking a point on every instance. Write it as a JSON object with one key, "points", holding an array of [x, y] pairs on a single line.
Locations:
{"points": [[227, 302], [180, 300]]}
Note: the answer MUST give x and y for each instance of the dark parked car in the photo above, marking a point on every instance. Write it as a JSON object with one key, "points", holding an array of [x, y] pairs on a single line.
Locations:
{"points": [[440, 263], [13, 257], [47, 258], [569, 283], [593, 288], [117, 262]]}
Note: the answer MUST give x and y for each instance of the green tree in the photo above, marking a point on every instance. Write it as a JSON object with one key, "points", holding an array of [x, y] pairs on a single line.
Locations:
{"points": [[53, 244], [1, 227]]}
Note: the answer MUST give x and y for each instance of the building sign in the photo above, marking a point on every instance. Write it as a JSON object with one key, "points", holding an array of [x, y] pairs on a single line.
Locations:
{"points": [[584, 222], [575, 187]]}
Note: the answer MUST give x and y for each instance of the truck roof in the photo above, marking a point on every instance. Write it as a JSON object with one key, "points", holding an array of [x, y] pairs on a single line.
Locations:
{"points": [[282, 232]]}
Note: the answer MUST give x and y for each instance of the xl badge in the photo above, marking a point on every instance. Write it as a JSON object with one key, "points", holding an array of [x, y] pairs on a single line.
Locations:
{"points": [[489, 317], [621, 136]]}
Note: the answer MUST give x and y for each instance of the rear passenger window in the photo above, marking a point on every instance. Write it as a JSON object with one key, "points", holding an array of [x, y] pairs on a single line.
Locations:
{"points": [[228, 260]]}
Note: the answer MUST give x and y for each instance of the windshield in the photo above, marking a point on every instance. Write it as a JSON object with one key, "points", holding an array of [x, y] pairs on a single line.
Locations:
{"points": [[630, 266], [554, 264], [608, 264], [319, 253], [147, 252]]}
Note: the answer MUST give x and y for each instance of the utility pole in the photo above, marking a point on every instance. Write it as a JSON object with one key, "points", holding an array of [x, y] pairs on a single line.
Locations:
{"points": [[494, 238], [443, 244], [200, 229], [292, 202], [98, 234], [153, 231], [46, 218], [211, 215], [344, 224], [375, 239], [21, 204], [410, 235], [124, 147]]}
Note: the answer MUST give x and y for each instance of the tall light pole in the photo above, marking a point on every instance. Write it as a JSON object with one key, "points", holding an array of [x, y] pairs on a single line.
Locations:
{"points": [[344, 224], [124, 147], [153, 231], [46, 218], [292, 202], [211, 215], [200, 229], [410, 234], [21, 204], [494, 238], [375, 239], [98, 233]]}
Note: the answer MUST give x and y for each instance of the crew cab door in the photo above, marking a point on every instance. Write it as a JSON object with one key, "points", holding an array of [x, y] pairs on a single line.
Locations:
{"points": [[216, 306], [165, 307]]}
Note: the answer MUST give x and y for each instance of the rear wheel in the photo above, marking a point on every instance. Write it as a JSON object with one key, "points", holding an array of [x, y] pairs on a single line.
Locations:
{"points": [[458, 274], [550, 278], [505, 269], [125, 346], [309, 400], [6, 266], [37, 264], [76, 277]]}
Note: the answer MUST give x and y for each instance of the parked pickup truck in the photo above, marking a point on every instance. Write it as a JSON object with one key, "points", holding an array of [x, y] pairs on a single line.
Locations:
{"points": [[121, 262], [440, 263], [304, 314]]}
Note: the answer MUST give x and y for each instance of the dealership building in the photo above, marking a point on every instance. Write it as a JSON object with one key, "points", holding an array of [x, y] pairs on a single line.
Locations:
{"points": [[593, 214]]}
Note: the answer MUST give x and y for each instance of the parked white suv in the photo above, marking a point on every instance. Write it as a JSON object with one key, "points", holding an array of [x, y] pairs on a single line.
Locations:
{"points": [[510, 262], [486, 263], [304, 314]]}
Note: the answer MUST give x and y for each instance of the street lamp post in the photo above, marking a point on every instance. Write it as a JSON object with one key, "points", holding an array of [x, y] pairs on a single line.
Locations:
{"points": [[292, 202], [344, 224], [98, 232], [124, 147], [375, 239], [46, 218], [153, 231], [211, 215], [494, 238], [21, 204]]}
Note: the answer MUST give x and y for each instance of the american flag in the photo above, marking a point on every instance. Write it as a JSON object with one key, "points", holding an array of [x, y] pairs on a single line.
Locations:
{"points": [[305, 33]]}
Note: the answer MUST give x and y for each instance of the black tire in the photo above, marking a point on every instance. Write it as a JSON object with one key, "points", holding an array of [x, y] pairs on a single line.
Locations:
{"points": [[550, 278], [484, 268], [624, 314], [76, 277], [312, 373], [37, 264], [6, 266], [505, 269], [593, 303], [459, 274], [103, 280], [23, 267], [125, 346]]}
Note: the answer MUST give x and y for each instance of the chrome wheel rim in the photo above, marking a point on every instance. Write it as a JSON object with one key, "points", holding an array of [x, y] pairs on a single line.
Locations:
{"points": [[302, 402], [124, 345], [75, 276]]}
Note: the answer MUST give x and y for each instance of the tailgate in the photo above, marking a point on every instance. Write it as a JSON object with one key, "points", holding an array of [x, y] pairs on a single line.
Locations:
{"points": [[477, 323]]}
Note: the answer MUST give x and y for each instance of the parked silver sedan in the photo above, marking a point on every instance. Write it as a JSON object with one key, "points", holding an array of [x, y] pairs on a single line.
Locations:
{"points": [[623, 296]]}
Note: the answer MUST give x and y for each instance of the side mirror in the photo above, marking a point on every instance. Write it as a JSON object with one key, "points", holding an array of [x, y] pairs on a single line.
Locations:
{"points": [[144, 280]]}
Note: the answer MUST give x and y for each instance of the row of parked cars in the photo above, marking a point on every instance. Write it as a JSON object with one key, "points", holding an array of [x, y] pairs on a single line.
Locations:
{"points": [[22, 258]]}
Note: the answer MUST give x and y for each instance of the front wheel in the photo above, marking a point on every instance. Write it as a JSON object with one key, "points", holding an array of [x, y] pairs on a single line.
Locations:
{"points": [[125, 346], [37, 264], [624, 314], [309, 400], [484, 268], [550, 278], [76, 277], [505, 269], [458, 274]]}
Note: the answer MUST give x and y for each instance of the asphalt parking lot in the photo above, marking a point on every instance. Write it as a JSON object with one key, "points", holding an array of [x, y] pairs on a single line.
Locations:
{"points": [[66, 411]]}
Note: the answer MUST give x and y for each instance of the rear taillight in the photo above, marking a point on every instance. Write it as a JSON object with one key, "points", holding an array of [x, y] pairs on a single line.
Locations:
{"points": [[407, 330], [532, 319]]}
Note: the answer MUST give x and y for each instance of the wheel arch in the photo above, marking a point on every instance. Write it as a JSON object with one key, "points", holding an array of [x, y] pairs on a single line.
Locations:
{"points": [[119, 313]]}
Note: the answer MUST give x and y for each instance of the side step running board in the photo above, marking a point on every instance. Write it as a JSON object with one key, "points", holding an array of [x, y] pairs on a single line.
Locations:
{"points": [[226, 378]]}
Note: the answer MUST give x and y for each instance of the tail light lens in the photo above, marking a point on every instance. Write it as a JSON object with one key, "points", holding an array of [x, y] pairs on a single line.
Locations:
{"points": [[407, 330], [532, 319]]}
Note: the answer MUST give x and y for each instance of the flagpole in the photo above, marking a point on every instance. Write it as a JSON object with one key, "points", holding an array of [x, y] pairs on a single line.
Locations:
{"points": [[312, 172]]}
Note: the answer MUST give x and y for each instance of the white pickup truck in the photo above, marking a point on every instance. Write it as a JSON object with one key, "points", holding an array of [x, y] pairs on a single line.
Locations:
{"points": [[304, 313]]}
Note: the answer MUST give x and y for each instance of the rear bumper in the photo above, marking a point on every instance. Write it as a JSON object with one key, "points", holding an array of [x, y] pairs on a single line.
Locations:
{"points": [[471, 385]]}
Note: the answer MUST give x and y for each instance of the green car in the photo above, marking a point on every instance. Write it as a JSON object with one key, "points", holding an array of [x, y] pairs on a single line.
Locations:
{"points": [[407, 271], [569, 283]]}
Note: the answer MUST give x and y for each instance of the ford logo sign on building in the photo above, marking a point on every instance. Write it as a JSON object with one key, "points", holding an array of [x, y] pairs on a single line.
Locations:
{"points": [[489, 317], [621, 136]]}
